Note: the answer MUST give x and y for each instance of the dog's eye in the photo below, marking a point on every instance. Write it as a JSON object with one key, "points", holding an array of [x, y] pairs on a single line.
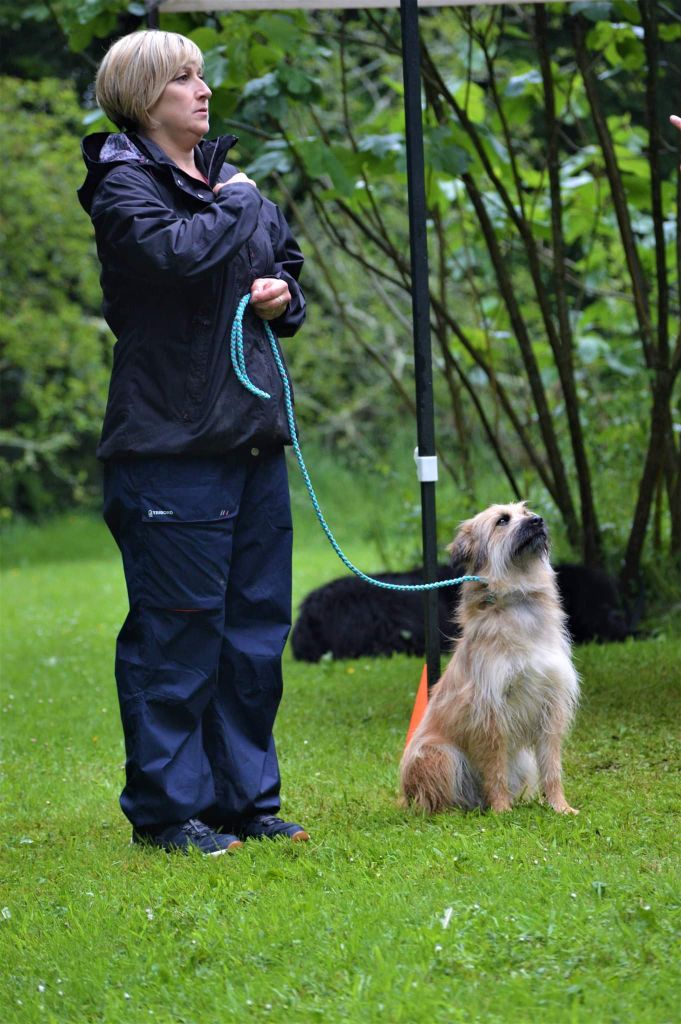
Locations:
{"points": [[503, 520]]}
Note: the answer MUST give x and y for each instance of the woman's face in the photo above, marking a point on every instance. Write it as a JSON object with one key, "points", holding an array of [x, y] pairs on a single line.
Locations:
{"points": [[183, 106]]}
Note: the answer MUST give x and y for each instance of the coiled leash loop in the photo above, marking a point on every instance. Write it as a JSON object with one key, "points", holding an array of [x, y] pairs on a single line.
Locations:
{"points": [[239, 364]]}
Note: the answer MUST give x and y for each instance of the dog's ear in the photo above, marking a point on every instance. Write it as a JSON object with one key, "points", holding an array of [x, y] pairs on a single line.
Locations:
{"points": [[461, 550]]}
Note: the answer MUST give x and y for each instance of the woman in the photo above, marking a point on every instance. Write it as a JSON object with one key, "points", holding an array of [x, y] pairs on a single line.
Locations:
{"points": [[195, 487]]}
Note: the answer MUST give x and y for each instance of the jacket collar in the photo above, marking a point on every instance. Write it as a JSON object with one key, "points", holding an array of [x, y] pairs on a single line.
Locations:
{"points": [[210, 154], [103, 150]]}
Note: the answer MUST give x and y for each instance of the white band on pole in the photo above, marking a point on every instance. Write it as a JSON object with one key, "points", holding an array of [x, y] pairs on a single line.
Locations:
{"points": [[426, 467]]}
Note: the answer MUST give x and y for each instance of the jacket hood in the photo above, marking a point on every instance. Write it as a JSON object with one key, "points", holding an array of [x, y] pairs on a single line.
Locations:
{"points": [[104, 150]]}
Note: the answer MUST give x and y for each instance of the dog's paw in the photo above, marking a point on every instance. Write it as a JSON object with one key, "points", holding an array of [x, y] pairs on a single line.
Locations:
{"points": [[564, 808], [500, 805]]}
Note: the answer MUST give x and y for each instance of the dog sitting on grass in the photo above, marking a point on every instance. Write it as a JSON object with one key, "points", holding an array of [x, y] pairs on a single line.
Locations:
{"points": [[495, 721]]}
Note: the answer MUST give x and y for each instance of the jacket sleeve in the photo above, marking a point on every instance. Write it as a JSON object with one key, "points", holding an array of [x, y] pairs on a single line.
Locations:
{"points": [[132, 221], [288, 264]]}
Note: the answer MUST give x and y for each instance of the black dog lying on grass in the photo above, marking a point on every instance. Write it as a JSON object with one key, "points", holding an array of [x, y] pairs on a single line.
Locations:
{"points": [[349, 618]]}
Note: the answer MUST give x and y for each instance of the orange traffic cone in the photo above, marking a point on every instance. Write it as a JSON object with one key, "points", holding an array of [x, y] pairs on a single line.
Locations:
{"points": [[420, 705]]}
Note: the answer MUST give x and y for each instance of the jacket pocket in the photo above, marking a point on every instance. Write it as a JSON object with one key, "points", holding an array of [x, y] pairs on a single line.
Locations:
{"points": [[260, 251], [201, 328]]}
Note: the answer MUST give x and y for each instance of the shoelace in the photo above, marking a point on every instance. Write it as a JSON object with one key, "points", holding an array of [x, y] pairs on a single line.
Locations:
{"points": [[196, 828]]}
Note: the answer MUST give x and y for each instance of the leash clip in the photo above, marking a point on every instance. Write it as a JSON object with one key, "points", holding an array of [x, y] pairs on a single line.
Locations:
{"points": [[426, 467]]}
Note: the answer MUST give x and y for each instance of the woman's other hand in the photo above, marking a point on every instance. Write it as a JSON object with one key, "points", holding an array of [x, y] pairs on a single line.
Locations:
{"points": [[269, 297], [236, 179]]}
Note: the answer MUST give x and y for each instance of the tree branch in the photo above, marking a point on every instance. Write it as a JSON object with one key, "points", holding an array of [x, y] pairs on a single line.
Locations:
{"points": [[616, 190], [563, 351], [564, 498]]}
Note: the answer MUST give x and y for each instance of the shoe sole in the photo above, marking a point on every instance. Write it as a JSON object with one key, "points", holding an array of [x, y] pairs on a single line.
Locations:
{"points": [[297, 837], [179, 849], [230, 849]]}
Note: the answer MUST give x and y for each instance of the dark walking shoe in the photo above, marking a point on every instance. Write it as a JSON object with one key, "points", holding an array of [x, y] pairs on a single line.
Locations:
{"points": [[186, 834], [266, 826]]}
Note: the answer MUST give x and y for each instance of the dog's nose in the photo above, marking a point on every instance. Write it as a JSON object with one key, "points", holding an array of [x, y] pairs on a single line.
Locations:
{"points": [[537, 521]]}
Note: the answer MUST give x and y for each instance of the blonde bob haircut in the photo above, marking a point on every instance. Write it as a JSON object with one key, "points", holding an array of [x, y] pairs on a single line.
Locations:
{"points": [[136, 70]]}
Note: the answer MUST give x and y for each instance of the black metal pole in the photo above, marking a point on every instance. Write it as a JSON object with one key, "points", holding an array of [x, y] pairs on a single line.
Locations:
{"points": [[411, 65], [152, 13]]}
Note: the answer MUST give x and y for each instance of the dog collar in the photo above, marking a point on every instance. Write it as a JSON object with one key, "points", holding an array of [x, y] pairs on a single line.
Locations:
{"points": [[512, 597]]}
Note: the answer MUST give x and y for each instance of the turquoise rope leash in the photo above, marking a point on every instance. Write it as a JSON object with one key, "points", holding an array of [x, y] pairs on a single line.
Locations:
{"points": [[239, 364]]}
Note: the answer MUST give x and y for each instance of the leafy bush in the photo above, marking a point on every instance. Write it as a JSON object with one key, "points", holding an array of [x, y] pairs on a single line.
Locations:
{"points": [[55, 346]]}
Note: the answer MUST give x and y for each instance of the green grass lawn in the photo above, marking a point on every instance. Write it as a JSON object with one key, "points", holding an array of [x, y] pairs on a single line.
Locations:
{"points": [[384, 915]]}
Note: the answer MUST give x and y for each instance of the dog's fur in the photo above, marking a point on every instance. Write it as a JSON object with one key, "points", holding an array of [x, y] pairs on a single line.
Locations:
{"points": [[495, 720], [347, 618]]}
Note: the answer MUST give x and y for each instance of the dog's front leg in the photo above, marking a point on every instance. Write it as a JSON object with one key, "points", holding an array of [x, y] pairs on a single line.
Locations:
{"points": [[549, 764], [493, 763]]}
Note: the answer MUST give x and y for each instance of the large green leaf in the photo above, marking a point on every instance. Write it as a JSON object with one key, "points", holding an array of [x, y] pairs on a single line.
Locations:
{"points": [[444, 154]]}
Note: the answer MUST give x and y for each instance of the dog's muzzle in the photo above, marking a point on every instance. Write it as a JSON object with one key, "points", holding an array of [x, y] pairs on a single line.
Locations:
{"points": [[532, 536]]}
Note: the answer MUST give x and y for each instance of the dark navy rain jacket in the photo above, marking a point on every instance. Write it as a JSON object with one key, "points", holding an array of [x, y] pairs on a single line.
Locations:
{"points": [[176, 259]]}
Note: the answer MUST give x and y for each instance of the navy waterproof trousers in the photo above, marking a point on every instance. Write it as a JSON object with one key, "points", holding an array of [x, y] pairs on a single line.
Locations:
{"points": [[206, 546]]}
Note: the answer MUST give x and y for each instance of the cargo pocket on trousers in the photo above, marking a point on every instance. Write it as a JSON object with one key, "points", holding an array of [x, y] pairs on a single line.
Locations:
{"points": [[187, 550]]}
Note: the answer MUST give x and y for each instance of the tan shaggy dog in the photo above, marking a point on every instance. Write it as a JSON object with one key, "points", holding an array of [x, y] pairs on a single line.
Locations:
{"points": [[496, 719]]}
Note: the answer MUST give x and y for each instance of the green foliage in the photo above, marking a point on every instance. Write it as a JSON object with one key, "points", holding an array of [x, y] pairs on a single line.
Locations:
{"points": [[345, 147], [385, 916], [85, 20], [55, 347], [316, 99]]}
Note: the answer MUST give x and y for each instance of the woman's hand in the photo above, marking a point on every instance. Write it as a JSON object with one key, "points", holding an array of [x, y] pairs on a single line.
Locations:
{"points": [[676, 121], [269, 297], [236, 179]]}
